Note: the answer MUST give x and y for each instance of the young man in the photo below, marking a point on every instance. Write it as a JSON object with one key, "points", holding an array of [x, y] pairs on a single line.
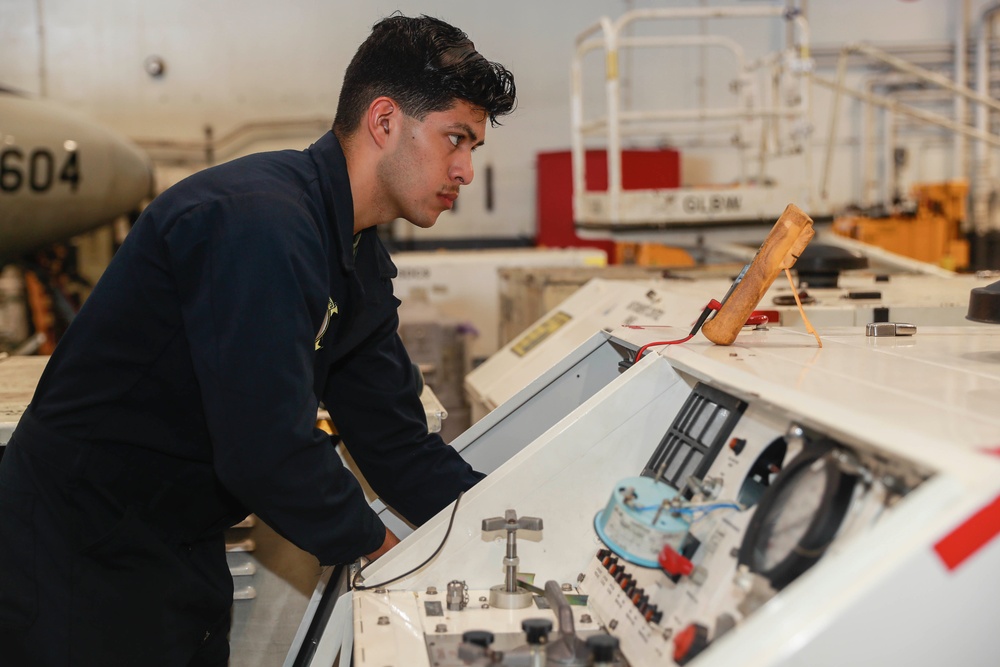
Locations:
{"points": [[184, 395]]}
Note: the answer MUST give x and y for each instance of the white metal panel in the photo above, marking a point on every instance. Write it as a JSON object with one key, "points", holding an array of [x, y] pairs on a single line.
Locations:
{"points": [[902, 405], [675, 304]]}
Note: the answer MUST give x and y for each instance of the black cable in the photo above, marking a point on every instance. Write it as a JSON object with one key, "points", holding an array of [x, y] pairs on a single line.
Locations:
{"points": [[361, 587], [709, 310]]}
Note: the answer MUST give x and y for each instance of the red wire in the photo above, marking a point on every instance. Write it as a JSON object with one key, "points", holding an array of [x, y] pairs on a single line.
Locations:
{"points": [[755, 318], [712, 305], [642, 349]]}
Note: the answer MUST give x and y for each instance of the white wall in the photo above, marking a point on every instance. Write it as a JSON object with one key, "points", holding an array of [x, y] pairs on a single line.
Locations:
{"points": [[231, 62]]}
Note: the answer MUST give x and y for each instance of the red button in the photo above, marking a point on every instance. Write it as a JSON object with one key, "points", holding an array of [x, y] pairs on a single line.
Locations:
{"points": [[689, 642], [673, 563], [683, 641]]}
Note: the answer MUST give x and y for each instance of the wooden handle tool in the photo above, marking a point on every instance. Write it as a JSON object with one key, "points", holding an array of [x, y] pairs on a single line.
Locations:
{"points": [[783, 245]]}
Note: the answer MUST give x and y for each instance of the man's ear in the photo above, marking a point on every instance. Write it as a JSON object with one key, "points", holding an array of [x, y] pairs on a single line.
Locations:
{"points": [[382, 119]]}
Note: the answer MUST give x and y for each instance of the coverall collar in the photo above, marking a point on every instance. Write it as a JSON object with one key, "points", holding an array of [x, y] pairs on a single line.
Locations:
{"points": [[336, 188]]}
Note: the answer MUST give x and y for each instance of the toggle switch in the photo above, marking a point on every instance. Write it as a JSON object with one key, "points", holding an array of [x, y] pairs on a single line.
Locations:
{"points": [[673, 563]]}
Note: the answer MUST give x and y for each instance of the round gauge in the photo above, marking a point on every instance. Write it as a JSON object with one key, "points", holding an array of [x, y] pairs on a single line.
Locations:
{"points": [[763, 471], [798, 516]]}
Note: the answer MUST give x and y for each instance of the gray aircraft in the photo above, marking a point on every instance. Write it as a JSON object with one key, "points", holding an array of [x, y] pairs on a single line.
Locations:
{"points": [[61, 174]]}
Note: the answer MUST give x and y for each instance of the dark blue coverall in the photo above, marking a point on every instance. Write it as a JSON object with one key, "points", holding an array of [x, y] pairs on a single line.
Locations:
{"points": [[184, 397]]}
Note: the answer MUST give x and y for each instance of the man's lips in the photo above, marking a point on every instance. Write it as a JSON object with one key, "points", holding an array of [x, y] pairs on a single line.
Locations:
{"points": [[448, 197]]}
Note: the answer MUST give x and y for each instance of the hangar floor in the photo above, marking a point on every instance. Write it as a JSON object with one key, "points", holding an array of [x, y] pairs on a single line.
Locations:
{"points": [[264, 626]]}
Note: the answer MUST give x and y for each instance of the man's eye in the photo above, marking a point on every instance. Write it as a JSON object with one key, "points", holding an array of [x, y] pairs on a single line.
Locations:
{"points": [[454, 139]]}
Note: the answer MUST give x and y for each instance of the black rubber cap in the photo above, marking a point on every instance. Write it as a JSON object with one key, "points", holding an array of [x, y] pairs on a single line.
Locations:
{"points": [[602, 647], [984, 304], [478, 637], [820, 265], [536, 629]]}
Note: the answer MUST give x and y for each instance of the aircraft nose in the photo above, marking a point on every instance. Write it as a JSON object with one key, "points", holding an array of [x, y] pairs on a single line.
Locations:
{"points": [[133, 175], [64, 174]]}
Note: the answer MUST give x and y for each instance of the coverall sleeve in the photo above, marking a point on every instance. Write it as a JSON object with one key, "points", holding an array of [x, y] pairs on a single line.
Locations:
{"points": [[251, 275], [373, 402]]}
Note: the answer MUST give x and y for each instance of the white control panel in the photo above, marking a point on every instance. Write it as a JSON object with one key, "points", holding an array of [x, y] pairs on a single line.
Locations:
{"points": [[766, 503]]}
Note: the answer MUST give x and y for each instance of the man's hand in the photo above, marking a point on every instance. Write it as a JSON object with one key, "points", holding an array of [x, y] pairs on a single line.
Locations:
{"points": [[389, 542]]}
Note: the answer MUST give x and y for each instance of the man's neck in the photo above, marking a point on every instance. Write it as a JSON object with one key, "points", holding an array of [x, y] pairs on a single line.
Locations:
{"points": [[361, 171]]}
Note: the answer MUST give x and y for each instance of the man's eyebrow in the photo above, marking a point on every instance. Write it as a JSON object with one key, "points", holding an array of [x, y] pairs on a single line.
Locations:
{"points": [[469, 132]]}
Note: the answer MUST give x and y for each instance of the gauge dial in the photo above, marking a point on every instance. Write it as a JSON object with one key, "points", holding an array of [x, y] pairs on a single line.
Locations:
{"points": [[763, 471], [798, 516], [789, 520]]}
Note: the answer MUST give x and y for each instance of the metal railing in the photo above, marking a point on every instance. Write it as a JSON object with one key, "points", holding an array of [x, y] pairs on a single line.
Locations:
{"points": [[782, 74]]}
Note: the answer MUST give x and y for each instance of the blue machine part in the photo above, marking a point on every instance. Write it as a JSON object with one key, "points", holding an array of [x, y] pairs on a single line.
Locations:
{"points": [[636, 525]]}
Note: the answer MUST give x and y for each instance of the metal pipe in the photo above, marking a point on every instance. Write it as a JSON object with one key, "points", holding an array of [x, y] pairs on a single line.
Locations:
{"points": [[961, 79], [983, 169], [868, 135], [805, 98], [888, 156], [688, 40], [895, 106], [698, 13], [925, 53], [599, 124], [614, 150], [721, 113], [770, 96], [923, 74], [510, 578], [577, 150], [838, 88], [577, 155], [868, 150]]}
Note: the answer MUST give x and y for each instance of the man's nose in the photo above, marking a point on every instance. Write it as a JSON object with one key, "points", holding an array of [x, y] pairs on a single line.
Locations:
{"points": [[462, 171]]}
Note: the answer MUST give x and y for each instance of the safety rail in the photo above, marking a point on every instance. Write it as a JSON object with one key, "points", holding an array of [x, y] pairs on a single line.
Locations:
{"points": [[781, 99], [980, 132]]}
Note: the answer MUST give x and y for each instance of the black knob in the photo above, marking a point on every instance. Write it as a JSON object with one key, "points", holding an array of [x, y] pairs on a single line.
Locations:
{"points": [[536, 629], [984, 304], [820, 265], [478, 637], [602, 647]]}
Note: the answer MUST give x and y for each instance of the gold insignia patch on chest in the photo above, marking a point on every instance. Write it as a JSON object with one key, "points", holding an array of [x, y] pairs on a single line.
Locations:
{"points": [[331, 310]]}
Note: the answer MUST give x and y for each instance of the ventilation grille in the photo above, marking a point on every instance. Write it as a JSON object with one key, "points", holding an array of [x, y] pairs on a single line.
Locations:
{"points": [[703, 424]]}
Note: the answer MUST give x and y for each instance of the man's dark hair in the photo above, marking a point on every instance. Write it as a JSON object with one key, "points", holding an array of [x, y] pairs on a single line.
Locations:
{"points": [[425, 65]]}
